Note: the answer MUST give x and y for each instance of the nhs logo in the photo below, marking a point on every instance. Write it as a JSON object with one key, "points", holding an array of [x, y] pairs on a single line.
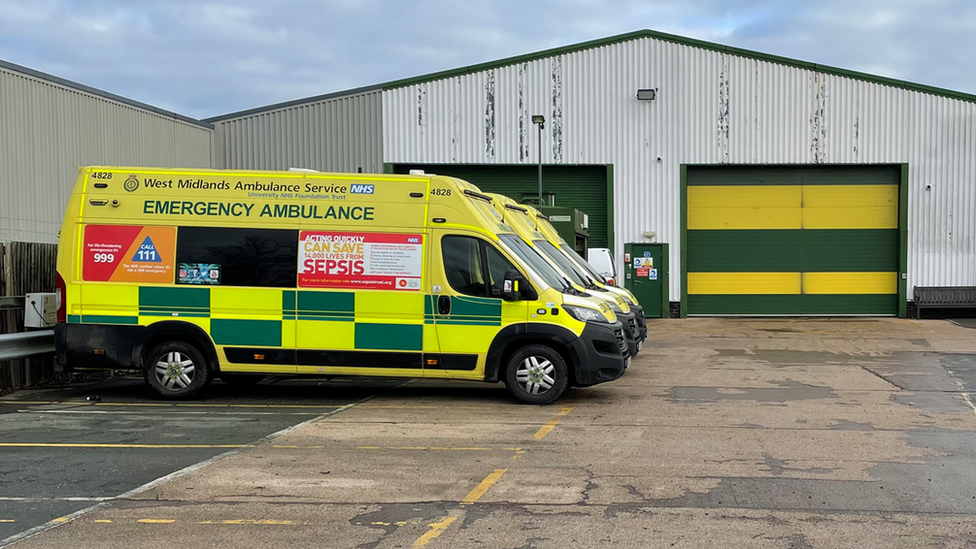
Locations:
{"points": [[361, 189]]}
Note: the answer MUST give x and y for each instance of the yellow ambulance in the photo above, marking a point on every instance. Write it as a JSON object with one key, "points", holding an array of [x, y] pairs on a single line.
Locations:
{"points": [[191, 275], [518, 217], [544, 226]]}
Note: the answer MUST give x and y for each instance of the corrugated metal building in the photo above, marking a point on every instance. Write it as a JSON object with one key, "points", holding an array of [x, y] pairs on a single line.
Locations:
{"points": [[340, 132], [50, 126], [783, 187]]}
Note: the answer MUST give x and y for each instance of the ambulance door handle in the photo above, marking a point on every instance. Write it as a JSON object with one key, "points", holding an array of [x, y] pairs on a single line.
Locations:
{"points": [[444, 304]]}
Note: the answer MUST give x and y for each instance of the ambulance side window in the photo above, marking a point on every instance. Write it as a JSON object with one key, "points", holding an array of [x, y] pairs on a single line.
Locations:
{"points": [[497, 267], [463, 265], [474, 267], [224, 256]]}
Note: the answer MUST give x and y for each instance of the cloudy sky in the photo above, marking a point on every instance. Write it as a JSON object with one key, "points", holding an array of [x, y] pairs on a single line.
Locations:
{"points": [[202, 57]]}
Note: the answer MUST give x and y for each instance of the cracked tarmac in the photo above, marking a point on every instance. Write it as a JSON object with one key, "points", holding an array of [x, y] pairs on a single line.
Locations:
{"points": [[780, 433]]}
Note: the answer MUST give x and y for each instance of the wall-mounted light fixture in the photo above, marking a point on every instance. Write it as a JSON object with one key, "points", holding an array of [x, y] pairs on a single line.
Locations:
{"points": [[647, 94]]}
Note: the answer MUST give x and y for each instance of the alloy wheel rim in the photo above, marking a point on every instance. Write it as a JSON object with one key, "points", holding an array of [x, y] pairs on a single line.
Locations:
{"points": [[175, 371], [536, 375]]}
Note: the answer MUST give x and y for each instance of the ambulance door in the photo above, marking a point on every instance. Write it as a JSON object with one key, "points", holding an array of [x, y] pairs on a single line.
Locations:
{"points": [[465, 303]]}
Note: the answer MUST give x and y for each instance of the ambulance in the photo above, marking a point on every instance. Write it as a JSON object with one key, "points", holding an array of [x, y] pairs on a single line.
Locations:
{"points": [[519, 218], [544, 226], [191, 275]]}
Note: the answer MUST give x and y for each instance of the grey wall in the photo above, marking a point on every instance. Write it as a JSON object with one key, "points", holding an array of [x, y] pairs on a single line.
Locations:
{"points": [[49, 127], [329, 133]]}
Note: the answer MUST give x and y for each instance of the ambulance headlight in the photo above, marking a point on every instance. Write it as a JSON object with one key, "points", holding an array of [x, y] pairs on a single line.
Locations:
{"points": [[616, 308], [628, 300], [585, 314]]}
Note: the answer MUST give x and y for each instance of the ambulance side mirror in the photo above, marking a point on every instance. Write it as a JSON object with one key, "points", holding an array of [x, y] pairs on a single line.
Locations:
{"points": [[515, 286]]}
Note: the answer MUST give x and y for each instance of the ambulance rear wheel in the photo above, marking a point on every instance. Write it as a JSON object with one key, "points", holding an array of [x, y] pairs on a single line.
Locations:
{"points": [[176, 370], [536, 374]]}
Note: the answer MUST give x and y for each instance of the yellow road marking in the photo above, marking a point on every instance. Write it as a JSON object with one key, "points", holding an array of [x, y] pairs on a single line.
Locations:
{"points": [[206, 405], [434, 448], [92, 445], [483, 487], [552, 423], [436, 529], [156, 521], [60, 519], [100, 521], [169, 405], [6, 521]]}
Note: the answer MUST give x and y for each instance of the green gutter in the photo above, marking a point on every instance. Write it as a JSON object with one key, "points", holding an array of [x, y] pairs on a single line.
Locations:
{"points": [[712, 46]]}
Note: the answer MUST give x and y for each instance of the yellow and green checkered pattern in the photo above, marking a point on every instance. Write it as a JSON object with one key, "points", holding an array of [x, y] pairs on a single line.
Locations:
{"points": [[805, 240], [304, 319]]}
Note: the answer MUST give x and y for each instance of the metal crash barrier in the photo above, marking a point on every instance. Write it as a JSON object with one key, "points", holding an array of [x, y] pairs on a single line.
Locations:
{"points": [[25, 344]]}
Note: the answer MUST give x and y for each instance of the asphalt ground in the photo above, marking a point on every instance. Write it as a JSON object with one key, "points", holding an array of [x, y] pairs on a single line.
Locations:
{"points": [[724, 433], [62, 453]]}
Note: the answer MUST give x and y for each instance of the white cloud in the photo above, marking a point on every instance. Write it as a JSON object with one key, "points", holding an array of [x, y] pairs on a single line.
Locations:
{"points": [[209, 57]]}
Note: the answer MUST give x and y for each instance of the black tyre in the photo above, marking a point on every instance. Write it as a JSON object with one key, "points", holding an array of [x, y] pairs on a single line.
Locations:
{"points": [[241, 380], [176, 370], [536, 374]]}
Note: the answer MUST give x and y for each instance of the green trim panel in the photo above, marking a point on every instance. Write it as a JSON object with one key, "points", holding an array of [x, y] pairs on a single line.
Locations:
{"points": [[163, 299], [793, 175], [793, 304], [232, 331], [74, 319], [390, 337], [482, 308], [788, 251], [106, 319], [675, 39], [327, 302]]}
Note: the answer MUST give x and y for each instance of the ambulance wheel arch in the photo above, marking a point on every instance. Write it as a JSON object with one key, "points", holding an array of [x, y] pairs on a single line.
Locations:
{"points": [[511, 338], [174, 330]]}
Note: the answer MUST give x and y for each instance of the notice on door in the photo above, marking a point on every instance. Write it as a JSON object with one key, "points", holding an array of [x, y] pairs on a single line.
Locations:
{"points": [[129, 253], [378, 261]]}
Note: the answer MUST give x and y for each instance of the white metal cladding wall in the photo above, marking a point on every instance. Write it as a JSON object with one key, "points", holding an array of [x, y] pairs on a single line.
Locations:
{"points": [[712, 108], [48, 130], [335, 135]]}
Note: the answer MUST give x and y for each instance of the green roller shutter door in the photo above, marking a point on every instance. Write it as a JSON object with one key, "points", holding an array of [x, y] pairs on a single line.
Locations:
{"points": [[792, 241], [580, 187]]}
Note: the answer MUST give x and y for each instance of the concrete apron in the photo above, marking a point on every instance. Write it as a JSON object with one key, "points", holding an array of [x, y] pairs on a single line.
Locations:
{"points": [[724, 433]]}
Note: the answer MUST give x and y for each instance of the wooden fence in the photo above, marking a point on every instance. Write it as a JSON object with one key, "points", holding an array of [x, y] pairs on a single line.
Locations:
{"points": [[25, 267]]}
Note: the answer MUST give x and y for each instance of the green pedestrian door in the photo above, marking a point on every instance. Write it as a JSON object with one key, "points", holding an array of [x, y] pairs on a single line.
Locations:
{"points": [[646, 276]]}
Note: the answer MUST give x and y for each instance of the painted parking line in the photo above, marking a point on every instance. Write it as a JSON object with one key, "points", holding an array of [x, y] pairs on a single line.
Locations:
{"points": [[436, 529], [545, 430], [243, 406], [481, 488], [165, 404], [117, 446], [30, 532]]}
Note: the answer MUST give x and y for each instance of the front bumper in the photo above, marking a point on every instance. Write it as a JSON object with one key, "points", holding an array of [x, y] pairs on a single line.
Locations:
{"points": [[603, 353], [641, 322], [631, 331]]}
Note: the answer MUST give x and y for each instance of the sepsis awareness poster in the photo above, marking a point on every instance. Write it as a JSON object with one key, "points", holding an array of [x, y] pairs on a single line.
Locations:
{"points": [[129, 253], [379, 261]]}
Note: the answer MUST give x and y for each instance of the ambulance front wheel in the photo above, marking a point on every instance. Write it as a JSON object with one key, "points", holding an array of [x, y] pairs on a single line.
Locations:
{"points": [[176, 370], [536, 374]]}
